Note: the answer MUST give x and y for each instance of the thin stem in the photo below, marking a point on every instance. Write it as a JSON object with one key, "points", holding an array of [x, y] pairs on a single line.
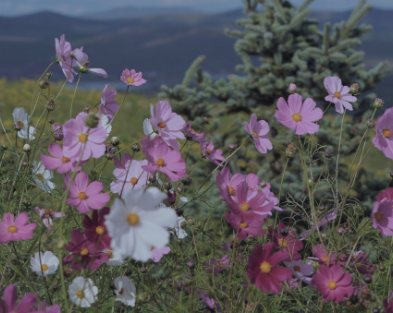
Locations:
{"points": [[73, 97], [338, 159], [282, 180], [121, 103]]}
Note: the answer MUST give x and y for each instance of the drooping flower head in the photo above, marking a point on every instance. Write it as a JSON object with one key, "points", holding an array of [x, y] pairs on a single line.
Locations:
{"points": [[63, 51], [332, 283], [95, 230], [16, 230], [83, 63], [382, 216], [132, 78], [258, 131], [338, 94], [263, 270], [44, 263], [125, 290], [298, 116], [289, 242], [108, 104], [21, 121], [9, 302], [217, 265], [46, 216], [58, 160], [383, 139], [212, 154], [246, 225], [83, 292], [191, 134]]}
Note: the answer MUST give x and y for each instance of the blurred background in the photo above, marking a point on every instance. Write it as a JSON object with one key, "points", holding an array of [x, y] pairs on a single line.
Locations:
{"points": [[161, 38]]}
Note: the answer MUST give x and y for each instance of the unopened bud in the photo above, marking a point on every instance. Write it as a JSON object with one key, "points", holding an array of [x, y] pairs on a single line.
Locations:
{"points": [[43, 83], [290, 151], [87, 109], [49, 74], [3, 147], [328, 155], [190, 220], [292, 88], [186, 180], [51, 121], [61, 244], [366, 294], [143, 297], [354, 89], [50, 105], [109, 156], [179, 189], [143, 270], [167, 185], [370, 123], [59, 135], [378, 103], [115, 141], [191, 264], [152, 179], [179, 212], [206, 120], [232, 146], [67, 271], [92, 121], [17, 127], [26, 148], [310, 182], [136, 147]]}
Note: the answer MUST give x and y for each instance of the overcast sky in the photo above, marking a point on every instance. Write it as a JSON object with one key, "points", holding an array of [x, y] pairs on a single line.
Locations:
{"points": [[81, 7]]}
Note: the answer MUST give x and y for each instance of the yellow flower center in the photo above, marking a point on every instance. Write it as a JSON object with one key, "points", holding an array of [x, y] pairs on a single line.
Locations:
{"points": [[160, 162], [133, 219], [121, 291], [40, 176], [134, 181], [208, 150], [44, 267], [265, 267], [337, 94], [110, 253], [325, 258], [84, 251], [282, 243], [130, 80], [243, 225], [245, 207], [231, 190], [161, 124], [83, 137], [82, 195], [12, 229], [332, 284], [296, 268], [255, 134], [296, 117], [387, 133], [20, 124], [378, 216], [100, 230], [80, 294], [64, 159]]}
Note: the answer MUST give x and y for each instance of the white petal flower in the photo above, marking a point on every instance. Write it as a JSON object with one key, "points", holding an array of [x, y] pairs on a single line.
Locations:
{"points": [[21, 120], [180, 232], [125, 290], [83, 292], [115, 257], [138, 222], [105, 123], [148, 129], [42, 177], [44, 263]]}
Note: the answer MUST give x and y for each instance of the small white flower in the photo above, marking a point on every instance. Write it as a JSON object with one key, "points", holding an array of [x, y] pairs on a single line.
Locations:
{"points": [[115, 257], [138, 222], [83, 292], [21, 120], [125, 290], [148, 129], [180, 232], [105, 123], [42, 177], [44, 263]]}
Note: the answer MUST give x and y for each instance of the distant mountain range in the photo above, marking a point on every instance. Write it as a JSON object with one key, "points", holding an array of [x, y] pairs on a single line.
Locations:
{"points": [[161, 45]]}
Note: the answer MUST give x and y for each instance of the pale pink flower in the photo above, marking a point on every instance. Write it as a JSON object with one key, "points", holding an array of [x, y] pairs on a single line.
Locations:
{"points": [[211, 153], [382, 216], [191, 134], [384, 140], [159, 253], [298, 116], [15, 230], [300, 270], [132, 78], [227, 185], [9, 305], [59, 160], [292, 88], [83, 63], [46, 216], [338, 94], [246, 224], [258, 132], [63, 50], [108, 104]]}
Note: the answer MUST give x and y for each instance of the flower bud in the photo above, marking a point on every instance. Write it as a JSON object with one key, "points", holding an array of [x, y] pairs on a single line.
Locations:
{"points": [[321, 207], [171, 198], [143, 297], [167, 185], [17, 127], [92, 120], [206, 120], [127, 272], [376, 309], [59, 135], [354, 299], [328, 155], [43, 83], [310, 182], [378, 103], [370, 123], [179, 189], [367, 279], [51, 121], [382, 268], [26, 203], [292, 88], [115, 141], [3, 147], [284, 232], [152, 179], [27, 148], [136, 147], [49, 74], [109, 156], [186, 180], [190, 221], [67, 271], [179, 212], [231, 146], [366, 294], [50, 105], [290, 151], [143, 270], [340, 230], [191, 264], [61, 244], [354, 89], [87, 109]]}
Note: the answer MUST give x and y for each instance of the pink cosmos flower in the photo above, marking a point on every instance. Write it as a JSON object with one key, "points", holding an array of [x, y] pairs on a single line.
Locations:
{"points": [[168, 124], [10, 296], [84, 196], [77, 135], [382, 216], [159, 253], [59, 160], [298, 116], [288, 242], [322, 255], [227, 185], [85, 254], [258, 132], [82, 62], [338, 94], [263, 270], [63, 50], [192, 134], [217, 265], [108, 104], [301, 270], [254, 186], [388, 194], [132, 78], [16, 230], [95, 230], [212, 154], [46, 216], [163, 159], [58, 131], [129, 176], [384, 140], [44, 308], [248, 225], [332, 283], [388, 306]]}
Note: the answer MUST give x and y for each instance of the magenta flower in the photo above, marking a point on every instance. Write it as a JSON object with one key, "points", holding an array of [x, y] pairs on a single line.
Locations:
{"points": [[388, 306], [338, 94], [298, 116], [263, 270], [132, 78], [192, 134], [84, 196], [77, 135], [288, 242], [108, 104], [212, 154], [63, 50], [163, 159], [210, 302], [58, 131], [82, 62], [85, 254], [10, 296], [159, 253], [332, 283], [95, 230], [16, 230], [217, 265], [246, 225], [254, 186], [258, 132], [128, 176], [59, 160], [44, 308], [388, 194], [322, 254], [382, 216], [46, 216], [384, 140], [227, 185]]}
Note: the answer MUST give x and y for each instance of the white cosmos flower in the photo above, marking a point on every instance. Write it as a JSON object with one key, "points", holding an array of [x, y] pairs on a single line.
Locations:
{"points": [[44, 263], [115, 257], [180, 232], [21, 119], [105, 123], [42, 177], [83, 292], [137, 222], [125, 290], [148, 129]]}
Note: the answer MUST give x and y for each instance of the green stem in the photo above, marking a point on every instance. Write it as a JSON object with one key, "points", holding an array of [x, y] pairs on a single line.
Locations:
{"points": [[73, 97], [121, 103], [338, 158]]}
